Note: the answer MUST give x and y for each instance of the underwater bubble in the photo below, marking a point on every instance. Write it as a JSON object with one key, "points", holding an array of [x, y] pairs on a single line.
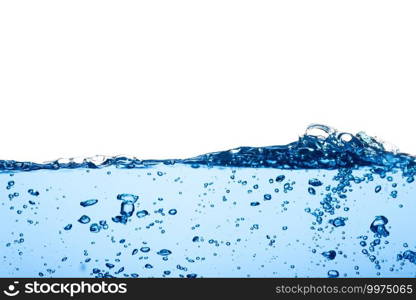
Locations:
{"points": [[142, 213], [329, 254], [127, 209], [333, 274], [128, 197], [145, 249], [338, 222], [315, 182], [267, 197], [68, 227], [95, 227], [172, 211], [84, 219], [311, 191], [378, 226], [33, 192], [89, 202], [280, 178], [410, 256], [164, 252], [103, 224]]}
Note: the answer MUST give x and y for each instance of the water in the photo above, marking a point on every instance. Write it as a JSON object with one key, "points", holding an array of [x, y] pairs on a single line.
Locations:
{"points": [[328, 205]]}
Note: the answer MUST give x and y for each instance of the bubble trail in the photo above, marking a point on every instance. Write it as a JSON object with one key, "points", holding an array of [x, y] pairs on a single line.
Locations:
{"points": [[330, 204]]}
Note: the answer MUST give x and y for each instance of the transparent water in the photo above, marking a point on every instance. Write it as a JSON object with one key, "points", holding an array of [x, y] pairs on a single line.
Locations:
{"points": [[325, 206]]}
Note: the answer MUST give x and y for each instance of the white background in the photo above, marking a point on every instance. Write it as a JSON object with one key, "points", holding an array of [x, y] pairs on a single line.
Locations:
{"points": [[159, 79]]}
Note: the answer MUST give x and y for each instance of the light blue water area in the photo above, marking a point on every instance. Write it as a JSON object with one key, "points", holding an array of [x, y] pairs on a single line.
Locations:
{"points": [[319, 207]]}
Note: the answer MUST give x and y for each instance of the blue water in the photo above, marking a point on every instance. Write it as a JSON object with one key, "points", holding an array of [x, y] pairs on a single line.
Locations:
{"points": [[328, 205]]}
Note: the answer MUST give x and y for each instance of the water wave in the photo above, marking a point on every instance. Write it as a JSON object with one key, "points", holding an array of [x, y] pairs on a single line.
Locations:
{"points": [[327, 149]]}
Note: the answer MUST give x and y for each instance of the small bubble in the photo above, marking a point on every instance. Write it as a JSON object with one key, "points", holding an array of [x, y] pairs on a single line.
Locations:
{"points": [[333, 274], [280, 178], [338, 222], [142, 213], [84, 219], [331, 254], [378, 226], [145, 249], [172, 211], [315, 182], [95, 227], [89, 202], [164, 252], [110, 266], [68, 227], [128, 197], [33, 192]]}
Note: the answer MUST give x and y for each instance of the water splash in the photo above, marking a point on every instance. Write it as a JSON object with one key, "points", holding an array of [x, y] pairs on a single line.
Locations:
{"points": [[333, 151], [328, 205]]}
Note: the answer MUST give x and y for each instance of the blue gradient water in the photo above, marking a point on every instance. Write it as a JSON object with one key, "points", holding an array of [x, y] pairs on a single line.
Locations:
{"points": [[335, 205]]}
